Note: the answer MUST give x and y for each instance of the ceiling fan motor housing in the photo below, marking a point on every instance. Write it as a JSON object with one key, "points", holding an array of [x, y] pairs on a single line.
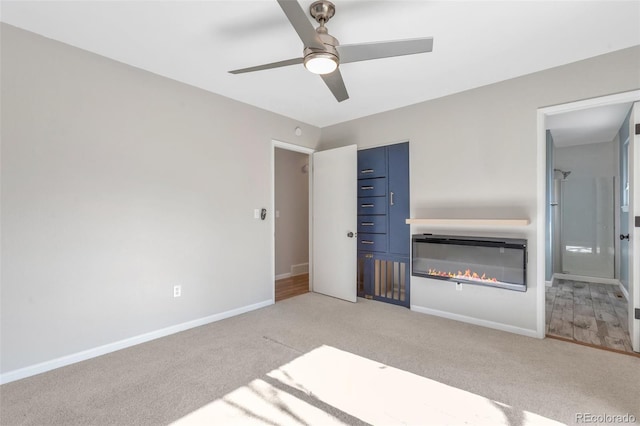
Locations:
{"points": [[322, 11], [329, 43]]}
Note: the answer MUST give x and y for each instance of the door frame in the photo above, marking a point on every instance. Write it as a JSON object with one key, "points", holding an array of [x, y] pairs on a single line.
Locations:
{"points": [[542, 114], [624, 208], [634, 235], [303, 150]]}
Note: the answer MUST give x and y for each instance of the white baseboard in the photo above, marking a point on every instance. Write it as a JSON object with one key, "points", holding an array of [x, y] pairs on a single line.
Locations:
{"points": [[624, 292], [484, 323], [586, 279], [299, 269], [42, 367], [283, 276]]}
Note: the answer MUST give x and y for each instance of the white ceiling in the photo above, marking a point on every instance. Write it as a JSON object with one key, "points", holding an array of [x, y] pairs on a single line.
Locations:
{"points": [[476, 43], [587, 126]]}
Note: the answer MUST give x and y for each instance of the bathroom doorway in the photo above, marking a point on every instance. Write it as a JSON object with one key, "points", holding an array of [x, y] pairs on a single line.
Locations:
{"points": [[586, 301]]}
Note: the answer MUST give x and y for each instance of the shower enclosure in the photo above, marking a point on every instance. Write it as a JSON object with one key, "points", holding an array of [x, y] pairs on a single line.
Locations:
{"points": [[583, 220]]}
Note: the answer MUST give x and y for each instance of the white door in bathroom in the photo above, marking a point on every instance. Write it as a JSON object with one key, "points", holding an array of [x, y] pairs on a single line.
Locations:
{"points": [[634, 230]]}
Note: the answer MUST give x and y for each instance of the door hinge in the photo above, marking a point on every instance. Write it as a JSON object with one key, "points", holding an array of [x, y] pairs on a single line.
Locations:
{"points": [[637, 313]]}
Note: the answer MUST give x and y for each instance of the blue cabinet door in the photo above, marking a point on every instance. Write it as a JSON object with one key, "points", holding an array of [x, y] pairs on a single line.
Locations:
{"points": [[372, 163], [398, 199]]}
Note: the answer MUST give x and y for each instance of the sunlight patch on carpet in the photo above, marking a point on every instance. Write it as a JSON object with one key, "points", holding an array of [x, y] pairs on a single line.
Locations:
{"points": [[258, 403], [358, 387]]}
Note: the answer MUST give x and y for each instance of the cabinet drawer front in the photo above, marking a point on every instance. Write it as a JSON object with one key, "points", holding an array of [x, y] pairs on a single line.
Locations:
{"points": [[372, 205], [372, 224], [372, 163], [372, 242], [372, 187]]}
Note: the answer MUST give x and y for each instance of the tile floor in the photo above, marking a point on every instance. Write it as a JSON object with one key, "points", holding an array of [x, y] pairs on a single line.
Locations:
{"points": [[590, 313]]}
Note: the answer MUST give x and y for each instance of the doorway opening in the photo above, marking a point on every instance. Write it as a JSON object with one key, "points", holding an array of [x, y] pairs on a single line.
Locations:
{"points": [[586, 297], [291, 220]]}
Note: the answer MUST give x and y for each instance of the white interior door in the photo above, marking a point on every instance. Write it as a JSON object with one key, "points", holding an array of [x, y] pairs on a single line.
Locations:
{"points": [[334, 220], [634, 232]]}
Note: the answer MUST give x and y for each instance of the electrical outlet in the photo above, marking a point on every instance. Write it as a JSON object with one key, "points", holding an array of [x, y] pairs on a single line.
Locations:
{"points": [[177, 290], [458, 286]]}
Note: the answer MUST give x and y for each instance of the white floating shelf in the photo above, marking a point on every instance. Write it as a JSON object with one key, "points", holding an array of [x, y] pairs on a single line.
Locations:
{"points": [[469, 222]]}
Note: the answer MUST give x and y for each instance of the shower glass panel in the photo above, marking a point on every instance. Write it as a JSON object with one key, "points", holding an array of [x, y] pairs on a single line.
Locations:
{"points": [[587, 216]]}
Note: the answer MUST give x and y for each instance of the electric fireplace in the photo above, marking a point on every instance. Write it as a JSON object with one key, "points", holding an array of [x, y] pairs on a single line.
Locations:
{"points": [[493, 262]]}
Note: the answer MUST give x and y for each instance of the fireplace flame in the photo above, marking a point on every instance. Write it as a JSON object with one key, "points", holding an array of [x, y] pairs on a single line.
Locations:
{"points": [[467, 275]]}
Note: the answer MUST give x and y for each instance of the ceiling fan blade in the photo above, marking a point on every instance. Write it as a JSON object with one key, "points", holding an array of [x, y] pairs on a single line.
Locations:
{"points": [[301, 24], [269, 66], [366, 51], [335, 83]]}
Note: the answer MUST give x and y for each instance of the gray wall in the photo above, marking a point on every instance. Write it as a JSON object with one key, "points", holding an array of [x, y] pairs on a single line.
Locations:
{"points": [[118, 184], [292, 203], [473, 155], [587, 161]]}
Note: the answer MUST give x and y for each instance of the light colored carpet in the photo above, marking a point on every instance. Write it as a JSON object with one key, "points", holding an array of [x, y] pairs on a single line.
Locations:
{"points": [[254, 368]]}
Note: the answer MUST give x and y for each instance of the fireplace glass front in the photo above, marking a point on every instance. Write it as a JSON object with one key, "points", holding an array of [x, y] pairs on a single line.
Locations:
{"points": [[494, 262]]}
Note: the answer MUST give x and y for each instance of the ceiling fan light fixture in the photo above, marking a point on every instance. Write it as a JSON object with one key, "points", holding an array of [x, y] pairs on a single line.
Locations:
{"points": [[321, 63], [322, 53]]}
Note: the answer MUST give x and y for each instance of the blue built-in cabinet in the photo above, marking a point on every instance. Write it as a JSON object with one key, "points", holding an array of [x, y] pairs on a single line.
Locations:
{"points": [[383, 235], [399, 232]]}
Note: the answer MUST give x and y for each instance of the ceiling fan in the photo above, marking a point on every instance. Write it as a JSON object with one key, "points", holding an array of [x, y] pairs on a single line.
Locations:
{"points": [[323, 53]]}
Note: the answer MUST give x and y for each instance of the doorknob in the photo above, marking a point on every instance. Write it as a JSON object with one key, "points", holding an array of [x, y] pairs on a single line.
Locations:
{"points": [[351, 234], [624, 237]]}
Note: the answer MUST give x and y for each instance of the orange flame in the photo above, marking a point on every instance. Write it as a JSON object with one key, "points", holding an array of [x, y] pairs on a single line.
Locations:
{"points": [[467, 275]]}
